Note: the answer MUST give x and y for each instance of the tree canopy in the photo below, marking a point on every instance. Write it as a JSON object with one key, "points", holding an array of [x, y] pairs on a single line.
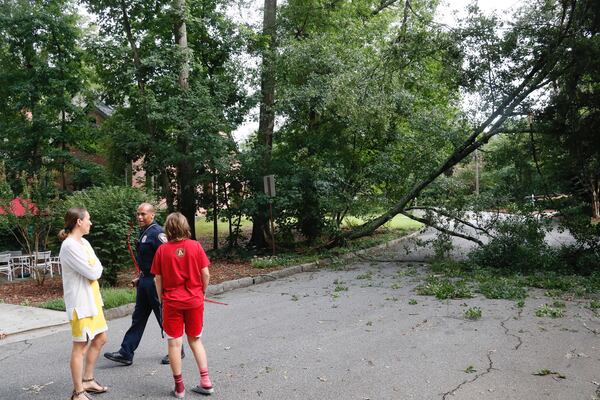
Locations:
{"points": [[366, 107]]}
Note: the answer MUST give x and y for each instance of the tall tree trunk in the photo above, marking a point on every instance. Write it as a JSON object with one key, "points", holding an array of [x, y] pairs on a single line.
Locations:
{"points": [[181, 39], [260, 230], [186, 199], [63, 147], [167, 191], [185, 167], [137, 63], [215, 211], [595, 186]]}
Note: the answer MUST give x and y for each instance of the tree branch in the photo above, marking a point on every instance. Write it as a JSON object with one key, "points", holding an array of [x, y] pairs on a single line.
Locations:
{"points": [[430, 223], [534, 80], [447, 215], [383, 5]]}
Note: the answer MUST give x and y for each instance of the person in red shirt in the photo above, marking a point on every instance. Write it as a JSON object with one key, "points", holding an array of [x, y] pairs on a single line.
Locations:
{"points": [[180, 269]]}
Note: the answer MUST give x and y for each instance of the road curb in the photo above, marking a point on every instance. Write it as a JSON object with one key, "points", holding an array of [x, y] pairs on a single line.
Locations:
{"points": [[213, 290]]}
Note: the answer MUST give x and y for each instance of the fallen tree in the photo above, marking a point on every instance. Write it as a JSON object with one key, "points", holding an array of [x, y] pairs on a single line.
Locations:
{"points": [[536, 59]]}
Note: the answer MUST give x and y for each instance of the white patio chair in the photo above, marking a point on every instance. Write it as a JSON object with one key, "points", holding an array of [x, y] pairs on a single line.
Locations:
{"points": [[41, 262], [6, 266], [20, 262], [55, 263]]}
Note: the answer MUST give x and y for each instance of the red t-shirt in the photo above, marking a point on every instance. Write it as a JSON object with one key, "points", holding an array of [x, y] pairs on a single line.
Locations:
{"points": [[179, 265]]}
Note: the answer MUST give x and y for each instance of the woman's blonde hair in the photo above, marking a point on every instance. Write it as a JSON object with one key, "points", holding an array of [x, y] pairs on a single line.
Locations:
{"points": [[177, 227], [71, 217]]}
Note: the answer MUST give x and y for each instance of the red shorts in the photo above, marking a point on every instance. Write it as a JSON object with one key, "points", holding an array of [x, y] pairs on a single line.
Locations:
{"points": [[174, 319]]}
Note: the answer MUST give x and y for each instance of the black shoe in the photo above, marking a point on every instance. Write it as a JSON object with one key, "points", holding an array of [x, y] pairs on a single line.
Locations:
{"points": [[118, 357], [165, 359]]}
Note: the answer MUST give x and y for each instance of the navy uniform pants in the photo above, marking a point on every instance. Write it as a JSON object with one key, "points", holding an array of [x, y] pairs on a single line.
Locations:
{"points": [[146, 301]]}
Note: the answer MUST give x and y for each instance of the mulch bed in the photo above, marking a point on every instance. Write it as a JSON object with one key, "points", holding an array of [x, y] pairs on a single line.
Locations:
{"points": [[27, 292]]}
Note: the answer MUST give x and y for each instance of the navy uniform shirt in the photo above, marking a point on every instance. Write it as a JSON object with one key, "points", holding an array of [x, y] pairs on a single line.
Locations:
{"points": [[151, 237]]}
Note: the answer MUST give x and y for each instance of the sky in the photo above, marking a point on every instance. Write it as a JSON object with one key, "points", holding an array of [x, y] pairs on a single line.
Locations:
{"points": [[448, 12]]}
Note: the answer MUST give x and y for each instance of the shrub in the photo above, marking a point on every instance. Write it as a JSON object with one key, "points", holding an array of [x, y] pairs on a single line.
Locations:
{"points": [[112, 209], [518, 246]]}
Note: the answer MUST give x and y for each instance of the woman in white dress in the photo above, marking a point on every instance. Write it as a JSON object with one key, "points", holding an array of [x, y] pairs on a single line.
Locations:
{"points": [[81, 270]]}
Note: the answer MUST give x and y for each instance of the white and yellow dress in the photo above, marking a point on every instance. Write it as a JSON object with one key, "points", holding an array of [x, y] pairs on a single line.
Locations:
{"points": [[83, 302]]}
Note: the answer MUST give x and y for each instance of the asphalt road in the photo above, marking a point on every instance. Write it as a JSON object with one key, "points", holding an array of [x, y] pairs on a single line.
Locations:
{"points": [[343, 334]]}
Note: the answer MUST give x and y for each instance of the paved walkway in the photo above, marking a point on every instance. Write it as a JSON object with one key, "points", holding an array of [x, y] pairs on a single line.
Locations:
{"points": [[18, 319]]}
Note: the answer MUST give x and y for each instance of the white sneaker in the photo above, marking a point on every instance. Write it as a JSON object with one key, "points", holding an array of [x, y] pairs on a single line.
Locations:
{"points": [[203, 390]]}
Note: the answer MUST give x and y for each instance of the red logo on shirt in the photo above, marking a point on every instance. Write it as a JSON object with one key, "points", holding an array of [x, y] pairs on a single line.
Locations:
{"points": [[180, 252]]}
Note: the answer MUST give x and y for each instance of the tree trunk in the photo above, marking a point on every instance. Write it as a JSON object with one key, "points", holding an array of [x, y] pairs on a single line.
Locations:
{"points": [[186, 200], [167, 190], [215, 212], [134, 50], [181, 39], [266, 123], [595, 186]]}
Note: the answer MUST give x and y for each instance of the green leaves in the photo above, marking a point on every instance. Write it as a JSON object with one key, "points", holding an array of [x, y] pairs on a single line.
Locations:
{"points": [[42, 79], [112, 210]]}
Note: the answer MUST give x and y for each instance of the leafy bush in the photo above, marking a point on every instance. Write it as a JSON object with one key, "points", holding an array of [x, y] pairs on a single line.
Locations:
{"points": [[87, 174], [518, 246], [112, 209]]}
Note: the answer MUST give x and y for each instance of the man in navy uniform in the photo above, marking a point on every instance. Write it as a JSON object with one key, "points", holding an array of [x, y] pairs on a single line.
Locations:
{"points": [[146, 301]]}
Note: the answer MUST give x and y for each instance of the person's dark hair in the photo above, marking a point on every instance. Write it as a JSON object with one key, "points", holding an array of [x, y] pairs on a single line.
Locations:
{"points": [[177, 227], [71, 217]]}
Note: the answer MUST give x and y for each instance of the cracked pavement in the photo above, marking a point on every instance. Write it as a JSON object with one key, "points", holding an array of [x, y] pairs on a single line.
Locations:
{"points": [[344, 334]]}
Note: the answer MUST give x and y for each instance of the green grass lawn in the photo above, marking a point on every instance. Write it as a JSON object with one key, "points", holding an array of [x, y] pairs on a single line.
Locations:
{"points": [[112, 297], [205, 228], [398, 222], [397, 227]]}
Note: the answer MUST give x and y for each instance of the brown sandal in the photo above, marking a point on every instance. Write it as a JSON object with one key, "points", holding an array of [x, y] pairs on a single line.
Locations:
{"points": [[92, 390], [77, 394]]}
